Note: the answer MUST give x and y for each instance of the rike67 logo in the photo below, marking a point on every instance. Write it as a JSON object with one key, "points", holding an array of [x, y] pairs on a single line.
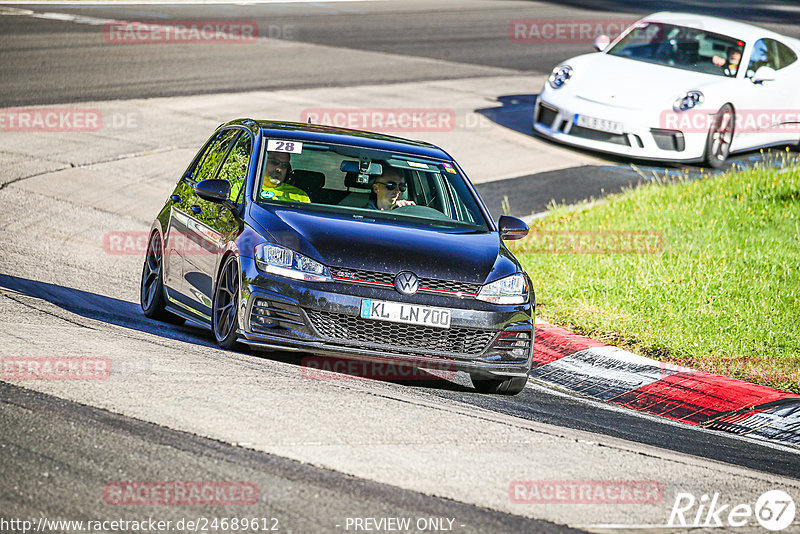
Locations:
{"points": [[774, 510]]}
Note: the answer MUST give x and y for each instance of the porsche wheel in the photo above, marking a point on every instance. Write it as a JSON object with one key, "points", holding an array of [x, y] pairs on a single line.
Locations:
{"points": [[720, 137]]}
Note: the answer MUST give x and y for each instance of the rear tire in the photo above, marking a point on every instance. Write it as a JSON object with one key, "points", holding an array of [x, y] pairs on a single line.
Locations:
{"points": [[507, 386], [151, 290], [225, 309], [720, 137]]}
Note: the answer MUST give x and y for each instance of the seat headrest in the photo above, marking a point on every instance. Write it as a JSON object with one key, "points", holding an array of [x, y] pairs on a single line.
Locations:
{"points": [[308, 180]]}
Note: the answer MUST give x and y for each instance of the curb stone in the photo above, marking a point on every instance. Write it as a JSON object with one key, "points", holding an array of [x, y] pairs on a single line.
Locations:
{"points": [[610, 374]]}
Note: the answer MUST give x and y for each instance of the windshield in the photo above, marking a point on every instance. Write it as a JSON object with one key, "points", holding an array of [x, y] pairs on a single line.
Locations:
{"points": [[681, 47], [367, 182]]}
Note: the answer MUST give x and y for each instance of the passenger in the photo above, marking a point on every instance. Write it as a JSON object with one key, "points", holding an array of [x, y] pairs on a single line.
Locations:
{"points": [[731, 65], [274, 186], [387, 189]]}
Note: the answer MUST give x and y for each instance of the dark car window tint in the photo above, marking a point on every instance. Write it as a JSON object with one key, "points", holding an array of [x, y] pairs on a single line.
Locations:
{"points": [[680, 47], [432, 191], [215, 155], [235, 167]]}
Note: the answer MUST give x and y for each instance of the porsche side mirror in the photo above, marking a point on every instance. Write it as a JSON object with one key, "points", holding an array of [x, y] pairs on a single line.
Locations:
{"points": [[601, 42], [764, 74], [511, 228]]}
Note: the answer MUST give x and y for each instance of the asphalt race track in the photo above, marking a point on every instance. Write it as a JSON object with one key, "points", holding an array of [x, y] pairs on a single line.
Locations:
{"points": [[325, 454]]}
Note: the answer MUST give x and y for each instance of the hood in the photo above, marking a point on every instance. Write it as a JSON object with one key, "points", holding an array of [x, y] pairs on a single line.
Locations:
{"points": [[632, 84], [385, 245]]}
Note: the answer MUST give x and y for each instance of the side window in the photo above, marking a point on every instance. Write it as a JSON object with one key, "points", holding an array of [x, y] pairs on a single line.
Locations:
{"points": [[214, 156], [786, 55], [199, 162], [766, 53], [235, 167]]}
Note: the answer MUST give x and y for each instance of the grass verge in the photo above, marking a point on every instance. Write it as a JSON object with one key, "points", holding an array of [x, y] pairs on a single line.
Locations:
{"points": [[703, 273]]}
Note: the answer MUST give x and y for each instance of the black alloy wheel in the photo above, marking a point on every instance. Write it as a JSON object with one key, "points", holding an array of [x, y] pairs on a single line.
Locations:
{"points": [[224, 312], [508, 386], [151, 293]]}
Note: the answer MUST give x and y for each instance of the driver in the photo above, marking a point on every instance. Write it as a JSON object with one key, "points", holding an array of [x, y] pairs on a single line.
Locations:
{"points": [[387, 190], [731, 65], [274, 186]]}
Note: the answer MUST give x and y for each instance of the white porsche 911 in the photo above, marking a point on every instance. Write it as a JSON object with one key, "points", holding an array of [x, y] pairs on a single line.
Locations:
{"points": [[677, 87]]}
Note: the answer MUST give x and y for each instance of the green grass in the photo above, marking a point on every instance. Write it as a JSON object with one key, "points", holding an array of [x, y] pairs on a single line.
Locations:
{"points": [[721, 293]]}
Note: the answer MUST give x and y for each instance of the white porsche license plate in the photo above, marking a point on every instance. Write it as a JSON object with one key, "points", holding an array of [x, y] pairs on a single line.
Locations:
{"points": [[396, 312], [594, 123]]}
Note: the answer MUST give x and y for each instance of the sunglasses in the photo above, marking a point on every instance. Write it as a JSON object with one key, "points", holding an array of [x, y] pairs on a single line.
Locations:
{"points": [[391, 186], [277, 163]]}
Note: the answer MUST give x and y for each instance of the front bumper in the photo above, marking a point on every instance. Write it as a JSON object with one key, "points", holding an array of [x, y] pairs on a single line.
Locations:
{"points": [[484, 340], [648, 135]]}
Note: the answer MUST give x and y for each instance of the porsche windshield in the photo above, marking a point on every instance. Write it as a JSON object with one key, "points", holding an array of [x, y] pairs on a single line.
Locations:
{"points": [[367, 182], [681, 47]]}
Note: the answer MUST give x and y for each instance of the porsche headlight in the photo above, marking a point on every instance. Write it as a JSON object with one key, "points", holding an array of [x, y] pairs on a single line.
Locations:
{"points": [[688, 101], [560, 76], [509, 290], [282, 261]]}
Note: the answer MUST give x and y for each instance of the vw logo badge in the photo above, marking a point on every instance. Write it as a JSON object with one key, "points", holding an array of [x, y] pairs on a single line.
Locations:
{"points": [[406, 283]]}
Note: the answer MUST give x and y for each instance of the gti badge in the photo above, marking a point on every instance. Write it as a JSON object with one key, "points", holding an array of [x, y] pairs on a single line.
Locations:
{"points": [[406, 283]]}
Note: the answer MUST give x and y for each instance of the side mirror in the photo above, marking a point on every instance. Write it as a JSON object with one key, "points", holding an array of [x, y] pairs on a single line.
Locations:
{"points": [[511, 228], [213, 189], [601, 42], [764, 74]]}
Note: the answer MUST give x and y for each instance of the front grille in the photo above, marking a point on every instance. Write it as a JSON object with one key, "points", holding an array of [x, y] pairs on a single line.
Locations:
{"points": [[597, 135], [404, 336], [546, 115], [359, 276], [426, 285]]}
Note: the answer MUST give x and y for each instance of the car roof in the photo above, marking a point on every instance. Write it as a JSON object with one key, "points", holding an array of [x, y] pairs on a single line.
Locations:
{"points": [[330, 134], [738, 30]]}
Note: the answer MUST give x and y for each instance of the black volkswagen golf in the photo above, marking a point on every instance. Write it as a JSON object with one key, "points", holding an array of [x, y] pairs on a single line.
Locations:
{"points": [[288, 236]]}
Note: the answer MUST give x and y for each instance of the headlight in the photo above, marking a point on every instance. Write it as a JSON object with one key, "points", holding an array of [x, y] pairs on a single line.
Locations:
{"points": [[560, 76], [688, 101], [282, 261], [509, 290]]}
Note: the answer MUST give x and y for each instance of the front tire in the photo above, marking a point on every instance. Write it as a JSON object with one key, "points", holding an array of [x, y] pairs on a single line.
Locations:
{"points": [[151, 291], [224, 312], [720, 137], [507, 386]]}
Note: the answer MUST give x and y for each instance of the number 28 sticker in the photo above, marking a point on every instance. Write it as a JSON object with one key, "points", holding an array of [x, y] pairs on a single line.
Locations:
{"points": [[278, 145]]}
